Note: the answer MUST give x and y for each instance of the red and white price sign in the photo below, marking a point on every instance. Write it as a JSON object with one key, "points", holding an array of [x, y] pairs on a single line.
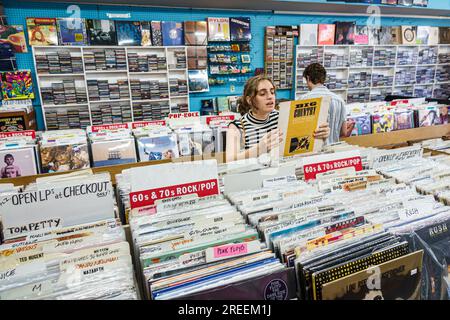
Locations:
{"points": [[140, 124], [324, 163], [25, 133], [184, 115], [148, 197], [109, 127], [210, 119]]}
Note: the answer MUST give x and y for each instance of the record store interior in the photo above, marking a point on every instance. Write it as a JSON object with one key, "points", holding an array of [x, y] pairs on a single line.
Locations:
{"points": [[225, 150]]}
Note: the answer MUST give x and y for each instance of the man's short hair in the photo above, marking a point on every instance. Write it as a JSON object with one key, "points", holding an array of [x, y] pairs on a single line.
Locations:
{"points": [[315, 73], [9, 155]]}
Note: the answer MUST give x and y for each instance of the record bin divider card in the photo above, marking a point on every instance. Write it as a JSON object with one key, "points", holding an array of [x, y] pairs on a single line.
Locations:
{"points": [[383, 158], [153, 184], [183, 119], [51, 207], [327, 162]]}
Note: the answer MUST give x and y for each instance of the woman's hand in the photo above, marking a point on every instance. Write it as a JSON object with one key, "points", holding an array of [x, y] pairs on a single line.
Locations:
{"points": [[270, 141], [323, 132]]}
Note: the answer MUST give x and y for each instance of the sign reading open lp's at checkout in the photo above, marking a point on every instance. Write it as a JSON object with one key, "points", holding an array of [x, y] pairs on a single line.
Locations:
{"points": [[56, 207], [152, 183]]}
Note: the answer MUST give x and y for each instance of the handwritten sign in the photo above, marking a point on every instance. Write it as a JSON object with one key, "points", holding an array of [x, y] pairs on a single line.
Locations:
{"points": [[184, 115], [383, 158]]}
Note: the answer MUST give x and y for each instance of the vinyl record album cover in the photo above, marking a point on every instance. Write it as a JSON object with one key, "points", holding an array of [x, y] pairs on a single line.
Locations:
{"points": [[218, 29], [101, 32], [326, 34], [195, 33], [444, 35], [198, 80], [15, 36], [409, 34], [385, 35], [423, 34], [383, 122], [345, 32], [429, 116], [128, 33], [17, 85], [108, 153], [197, 57], [396, 35], [308, 34], [17, 162], [42, 32], [61, 158], [400, 279], [11, 124], [157, 148], [146, 34], [72, 32], [240, 29], [433, 38], [359, 124], [156, 33], [172, 33], [403, 119], [362, 35]]}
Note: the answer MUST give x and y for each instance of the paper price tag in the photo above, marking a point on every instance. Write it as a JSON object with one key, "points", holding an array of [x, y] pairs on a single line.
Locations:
{"points": [[25, 133], [414, 209], [148, 197], [311, 170]]}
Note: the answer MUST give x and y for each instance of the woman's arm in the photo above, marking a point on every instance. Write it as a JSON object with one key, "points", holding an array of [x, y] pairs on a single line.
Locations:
{"points": [[234, 138]]}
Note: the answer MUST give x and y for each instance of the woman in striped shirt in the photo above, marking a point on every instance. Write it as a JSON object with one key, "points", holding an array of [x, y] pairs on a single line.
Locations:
{"points": [[257, 131]]}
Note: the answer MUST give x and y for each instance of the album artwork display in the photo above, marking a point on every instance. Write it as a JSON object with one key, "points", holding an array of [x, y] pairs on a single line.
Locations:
{"points": [[146, 34], [172, 33], [198, 80], [59, 158], [157, 38], [195, 33], [14, 36], [42, 31], [326, 34], [17, 162], [101, 32], [240, 29], [72, 31], [17, 85], [345, 32], [128, 33], [108, 153], [157, 148], [219, 29]]}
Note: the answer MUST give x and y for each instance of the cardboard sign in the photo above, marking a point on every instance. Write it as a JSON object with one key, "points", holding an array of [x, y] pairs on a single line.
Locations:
{"points": [[140, 124], [210, 119], [184, 115], [323, 163], [108, 127], [383, 158], [156, 182], [25, 133], [55, 207]]}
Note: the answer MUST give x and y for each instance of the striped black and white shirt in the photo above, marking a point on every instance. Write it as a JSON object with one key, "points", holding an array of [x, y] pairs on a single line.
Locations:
{"points": [[255, 129]]}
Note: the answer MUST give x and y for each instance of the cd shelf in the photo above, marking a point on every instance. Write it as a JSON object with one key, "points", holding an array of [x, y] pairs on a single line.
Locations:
{"points": [[115, 71], [397, 58]]}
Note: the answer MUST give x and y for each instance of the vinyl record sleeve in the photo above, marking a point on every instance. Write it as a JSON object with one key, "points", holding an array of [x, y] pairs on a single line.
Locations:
{"points": [[128, 33], [108, 153], [72, 32], [18, 162], [42, 32], [101, 32], [240, 29]]}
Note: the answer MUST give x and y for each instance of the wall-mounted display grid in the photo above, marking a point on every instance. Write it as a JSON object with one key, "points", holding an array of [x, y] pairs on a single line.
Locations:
{"points": [[18, 11], [361, 73], [93, 85]]}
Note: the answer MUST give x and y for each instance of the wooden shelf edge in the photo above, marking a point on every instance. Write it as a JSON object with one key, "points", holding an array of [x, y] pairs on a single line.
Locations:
{"points": [[399, 137]]}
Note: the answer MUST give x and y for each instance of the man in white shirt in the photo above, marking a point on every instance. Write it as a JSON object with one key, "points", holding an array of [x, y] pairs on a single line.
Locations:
{"points": [[315, 76]]}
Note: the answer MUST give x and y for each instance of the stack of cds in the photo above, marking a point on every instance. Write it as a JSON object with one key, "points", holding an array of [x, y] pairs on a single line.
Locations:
{"points": [[405, 76], [381, 80], [444, 57], [380, 94], [442, 91], [151, 111], [359, 79], [314, 55], [334, 83], [105, 90], [384, 57], [358, 96], [425, 75], [61, 62], [443, 73], [63, 93], [361, 58], [428, 55], [404, 91], [333, 60], [67, 118], [105, 59], [179, 107], [118, 112], [149, 89], [178, 87], [146, 63], [180, 60], [423, 92], [406, 56]]}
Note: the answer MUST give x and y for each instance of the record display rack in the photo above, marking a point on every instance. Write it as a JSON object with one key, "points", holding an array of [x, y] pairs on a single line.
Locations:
{"points": [[357, 72], [399, 137], [131, 108]]}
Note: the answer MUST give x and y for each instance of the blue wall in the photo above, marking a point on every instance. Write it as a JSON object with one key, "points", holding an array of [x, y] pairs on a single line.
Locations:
{"points": [[18, 11]]}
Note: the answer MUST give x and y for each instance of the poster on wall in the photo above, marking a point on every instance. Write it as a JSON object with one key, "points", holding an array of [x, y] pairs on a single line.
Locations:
{"points": [[17, 85]]}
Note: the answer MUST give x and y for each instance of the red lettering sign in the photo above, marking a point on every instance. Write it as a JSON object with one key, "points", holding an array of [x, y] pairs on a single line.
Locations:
{"points": [[311, 170], [148, 197], [109, 127], [140, 124], [219, 118], [25, 133], [184, 115]]}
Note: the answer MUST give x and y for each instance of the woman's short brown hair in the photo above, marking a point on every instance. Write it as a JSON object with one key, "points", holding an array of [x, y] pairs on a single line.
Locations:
{"points": [[251, 90], [315, 73]]}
